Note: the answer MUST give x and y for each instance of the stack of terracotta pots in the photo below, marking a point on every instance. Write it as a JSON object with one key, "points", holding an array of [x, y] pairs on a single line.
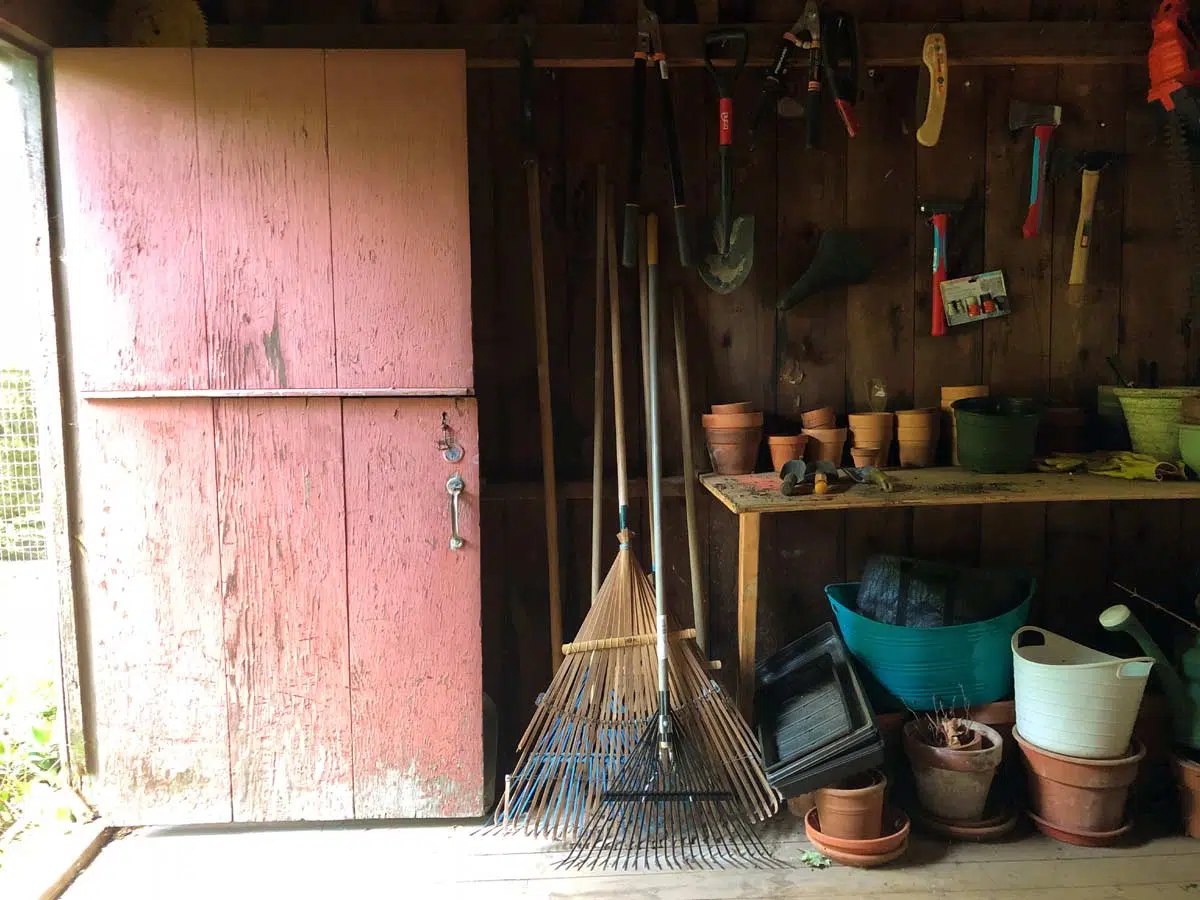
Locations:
{"points": [[734, 434], [917, 433], [872, 435], [825, 440], [949, 395], [851, 824]]}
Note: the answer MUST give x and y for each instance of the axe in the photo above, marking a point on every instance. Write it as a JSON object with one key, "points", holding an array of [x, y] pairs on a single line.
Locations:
{"points": [[1089, 164], [1043, 118]]}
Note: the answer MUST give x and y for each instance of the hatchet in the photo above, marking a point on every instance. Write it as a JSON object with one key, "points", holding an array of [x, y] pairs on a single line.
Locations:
{"points": [[1043, 118], [1090, 165]]}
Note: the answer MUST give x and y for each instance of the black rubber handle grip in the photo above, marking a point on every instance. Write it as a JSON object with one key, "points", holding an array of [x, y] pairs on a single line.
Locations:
{"points": [[683, 235], [813, 113], [629, 242]]}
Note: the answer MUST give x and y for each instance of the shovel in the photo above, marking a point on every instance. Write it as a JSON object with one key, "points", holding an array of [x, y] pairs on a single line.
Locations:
{"points": [[727, 269]]}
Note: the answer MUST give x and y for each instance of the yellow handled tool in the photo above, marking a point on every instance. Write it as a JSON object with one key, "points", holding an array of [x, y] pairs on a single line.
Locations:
{"points": [[935, 85]]}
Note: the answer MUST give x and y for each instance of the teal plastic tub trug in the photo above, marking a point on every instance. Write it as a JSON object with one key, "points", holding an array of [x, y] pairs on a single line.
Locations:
{"points": [[929, 668]]}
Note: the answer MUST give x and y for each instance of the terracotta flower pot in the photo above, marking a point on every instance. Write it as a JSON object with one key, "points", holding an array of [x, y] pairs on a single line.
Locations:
{"points": [[733, 451], [917, 454], [853, 809], [724, 409], [1083, 795], [785, 448], [826, 443], [732, 420], [953, 784], [864, 457], [949, 395], [1188, 774], [893, 834], [819, 418]]}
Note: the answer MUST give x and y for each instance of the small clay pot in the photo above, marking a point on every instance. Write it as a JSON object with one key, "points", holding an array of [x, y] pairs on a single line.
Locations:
{"points": [[1188, 774], [917, 454], [1080, 795], [871, 427], [953, 784], [912, 416], [949, 395], [819, 418], [733, 451], [853, 809], [864, 457], [785, 448], [826, 443], [893, 834], [732, 420], [800, 805], [725, 409]]}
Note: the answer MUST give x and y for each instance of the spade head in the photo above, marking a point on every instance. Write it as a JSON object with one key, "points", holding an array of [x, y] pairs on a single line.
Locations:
{"points": [[1022, 114], [725, 272]]}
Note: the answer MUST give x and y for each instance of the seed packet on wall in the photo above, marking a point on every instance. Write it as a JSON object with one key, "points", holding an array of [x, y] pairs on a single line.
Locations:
{"points": [[975, 298]]}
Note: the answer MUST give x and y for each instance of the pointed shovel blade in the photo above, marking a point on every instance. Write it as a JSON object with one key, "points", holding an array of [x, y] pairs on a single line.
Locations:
{"points": [[725, 273]]}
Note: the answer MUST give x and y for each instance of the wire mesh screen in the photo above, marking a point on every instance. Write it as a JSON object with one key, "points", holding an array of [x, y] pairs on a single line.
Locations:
{"points": [[22, 514]]}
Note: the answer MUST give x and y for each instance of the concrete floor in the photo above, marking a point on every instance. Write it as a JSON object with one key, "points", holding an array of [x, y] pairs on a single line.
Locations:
{"points": [[444, 861]]}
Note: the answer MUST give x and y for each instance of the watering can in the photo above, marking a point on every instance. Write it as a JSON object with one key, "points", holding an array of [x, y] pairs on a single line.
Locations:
{"points": [[1183, 691]]}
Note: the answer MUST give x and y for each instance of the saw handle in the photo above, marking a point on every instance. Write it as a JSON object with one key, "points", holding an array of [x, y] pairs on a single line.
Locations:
{"points": [[939, 222], [629, 238], [1090, 181], [1042, 135]]}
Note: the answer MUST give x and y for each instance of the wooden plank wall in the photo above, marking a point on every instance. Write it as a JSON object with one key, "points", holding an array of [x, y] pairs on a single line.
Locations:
{"points": [[823, 351]]}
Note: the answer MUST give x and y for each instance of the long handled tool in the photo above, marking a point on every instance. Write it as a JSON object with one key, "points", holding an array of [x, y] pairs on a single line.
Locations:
{"points": [[699, 601], [1090, 165], [727, 269], [602, 698], [533, 183], [686, 795], [650, 49], [599, 376], [1043, 118], [938, 213]]}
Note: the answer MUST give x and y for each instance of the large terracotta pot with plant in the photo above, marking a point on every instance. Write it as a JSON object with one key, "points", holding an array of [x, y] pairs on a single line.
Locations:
{"points": [[1076, 795], [853, 809], [953, 762]]}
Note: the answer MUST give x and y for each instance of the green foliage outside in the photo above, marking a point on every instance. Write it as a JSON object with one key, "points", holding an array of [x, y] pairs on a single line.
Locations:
{"points": [[22, 527], [29, 755]]}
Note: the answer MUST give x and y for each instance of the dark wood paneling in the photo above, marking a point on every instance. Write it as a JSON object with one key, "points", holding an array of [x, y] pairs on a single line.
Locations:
{"points": [[825, 349]]}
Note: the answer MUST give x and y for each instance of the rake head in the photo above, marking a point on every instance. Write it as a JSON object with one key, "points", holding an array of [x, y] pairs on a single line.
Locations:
{"points": [[669, 807]]}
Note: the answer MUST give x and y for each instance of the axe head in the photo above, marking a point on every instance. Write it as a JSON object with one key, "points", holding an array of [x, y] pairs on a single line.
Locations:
{"points": [[1066, 162], [931, 208], [1025, 115]]}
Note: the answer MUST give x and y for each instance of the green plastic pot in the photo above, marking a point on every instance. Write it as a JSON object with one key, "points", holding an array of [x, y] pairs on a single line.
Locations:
{"points": [[1189, 446], [997, 435], [1152, 415]]}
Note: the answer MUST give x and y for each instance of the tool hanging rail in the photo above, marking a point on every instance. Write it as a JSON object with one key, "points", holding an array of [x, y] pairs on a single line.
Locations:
{"points": [[884, 44]]}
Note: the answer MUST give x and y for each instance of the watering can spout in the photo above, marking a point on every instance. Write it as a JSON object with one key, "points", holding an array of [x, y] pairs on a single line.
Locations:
{"points": [[1121, 618]]}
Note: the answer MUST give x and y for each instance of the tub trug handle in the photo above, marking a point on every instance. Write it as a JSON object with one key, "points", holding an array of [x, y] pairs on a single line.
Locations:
{"points": [[1028, 631], [1135, 668]]}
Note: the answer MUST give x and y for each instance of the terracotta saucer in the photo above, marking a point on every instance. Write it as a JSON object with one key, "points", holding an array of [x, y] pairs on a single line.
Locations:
{"points": [[859, 860], [895, 823], [990, 829], [1081, 838]]}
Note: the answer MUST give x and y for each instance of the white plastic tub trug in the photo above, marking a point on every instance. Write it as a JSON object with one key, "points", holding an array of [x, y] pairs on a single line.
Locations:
{"points": [[1074, 700]]}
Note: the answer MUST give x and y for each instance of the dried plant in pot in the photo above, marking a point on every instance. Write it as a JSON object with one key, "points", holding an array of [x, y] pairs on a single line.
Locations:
{"points": [[954, 761]]}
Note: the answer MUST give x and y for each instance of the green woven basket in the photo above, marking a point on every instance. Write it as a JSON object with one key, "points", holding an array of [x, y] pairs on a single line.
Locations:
{"points": [[1152, 415]]}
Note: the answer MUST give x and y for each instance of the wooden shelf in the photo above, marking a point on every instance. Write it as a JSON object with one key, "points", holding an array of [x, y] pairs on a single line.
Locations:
{"points": [[743, 494], [611, 46], [278, 394]]}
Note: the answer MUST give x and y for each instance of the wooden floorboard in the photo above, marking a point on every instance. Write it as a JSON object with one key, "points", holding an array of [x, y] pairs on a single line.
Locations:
{"points": [[458, 861]]}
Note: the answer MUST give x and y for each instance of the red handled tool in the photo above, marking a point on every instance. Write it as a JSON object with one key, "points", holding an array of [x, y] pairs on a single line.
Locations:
{"points": [[939, 212], [1043, 118]]}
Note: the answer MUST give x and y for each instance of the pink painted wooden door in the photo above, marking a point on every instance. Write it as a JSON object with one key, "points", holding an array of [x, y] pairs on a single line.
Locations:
{"points": [[280, 627]]}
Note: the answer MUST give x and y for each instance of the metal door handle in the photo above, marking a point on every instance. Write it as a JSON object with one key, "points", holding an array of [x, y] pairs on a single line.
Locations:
{"points": [[454, 487]]}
